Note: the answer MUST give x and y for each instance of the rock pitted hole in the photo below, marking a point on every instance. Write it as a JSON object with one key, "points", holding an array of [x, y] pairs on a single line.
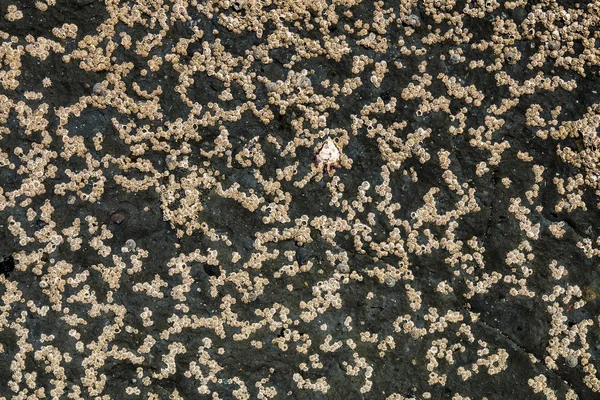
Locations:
{"points": [[7, 265]]}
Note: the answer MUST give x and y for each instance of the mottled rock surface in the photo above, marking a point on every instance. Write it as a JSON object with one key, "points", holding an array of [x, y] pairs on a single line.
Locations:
{"points": [[171, 226]]}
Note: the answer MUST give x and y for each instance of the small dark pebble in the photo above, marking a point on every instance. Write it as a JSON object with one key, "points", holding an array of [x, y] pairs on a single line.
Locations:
{"points": [[302, 255], [7, 265], [117, 218], [212, 270]]}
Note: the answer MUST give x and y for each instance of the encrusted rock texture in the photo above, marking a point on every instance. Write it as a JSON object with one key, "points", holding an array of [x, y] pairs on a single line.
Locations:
{"points": [[294, 199]]}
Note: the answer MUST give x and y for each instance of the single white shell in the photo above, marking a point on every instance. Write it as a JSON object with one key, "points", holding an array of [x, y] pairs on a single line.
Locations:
{"points": [[171, 160], [328, 155], [130, 244], [571, 361], [98, 88], [390, 281], [454, 58], [343, 268]]}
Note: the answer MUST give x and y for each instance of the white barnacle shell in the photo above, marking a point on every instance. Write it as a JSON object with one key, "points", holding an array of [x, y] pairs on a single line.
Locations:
{"points": [[329, 153]]}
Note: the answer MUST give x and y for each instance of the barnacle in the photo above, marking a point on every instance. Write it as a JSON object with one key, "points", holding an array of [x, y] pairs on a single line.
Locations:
{"points": [[328, 156]]}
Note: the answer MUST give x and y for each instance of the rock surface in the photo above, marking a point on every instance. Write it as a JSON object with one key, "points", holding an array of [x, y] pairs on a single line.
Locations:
{"points": [[462, 206]]}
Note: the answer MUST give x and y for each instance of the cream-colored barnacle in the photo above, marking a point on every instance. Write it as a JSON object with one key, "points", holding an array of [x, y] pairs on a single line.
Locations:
{"points": [[328, 156]]}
